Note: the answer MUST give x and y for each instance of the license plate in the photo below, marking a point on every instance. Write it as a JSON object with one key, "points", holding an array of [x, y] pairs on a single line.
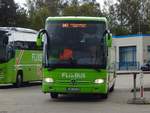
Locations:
{"points": [[73, 89]]}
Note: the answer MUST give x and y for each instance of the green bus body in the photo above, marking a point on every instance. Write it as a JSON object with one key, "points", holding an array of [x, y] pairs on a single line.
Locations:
{"points": [[86, 84], [23, 62], [28, 67], [79, 80]]}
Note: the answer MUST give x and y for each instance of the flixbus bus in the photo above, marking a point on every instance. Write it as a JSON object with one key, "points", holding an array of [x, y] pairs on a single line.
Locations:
{"points": [[77, 56], [20, 58]]}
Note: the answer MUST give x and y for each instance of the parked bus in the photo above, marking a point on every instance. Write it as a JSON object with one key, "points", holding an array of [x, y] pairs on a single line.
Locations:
{"points": [[77, 56], [20, 58]]}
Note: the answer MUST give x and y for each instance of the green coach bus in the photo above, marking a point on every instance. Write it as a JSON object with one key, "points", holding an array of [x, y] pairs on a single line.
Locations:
{"points": [[20, 58], [78, 56]]}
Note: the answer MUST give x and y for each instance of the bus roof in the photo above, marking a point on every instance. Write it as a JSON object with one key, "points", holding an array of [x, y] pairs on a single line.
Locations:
{"points": [[19, 29], [20, 34], [78, 18]]}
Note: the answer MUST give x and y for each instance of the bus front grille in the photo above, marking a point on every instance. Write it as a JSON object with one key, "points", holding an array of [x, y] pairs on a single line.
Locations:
{"points": [[73, 82]]}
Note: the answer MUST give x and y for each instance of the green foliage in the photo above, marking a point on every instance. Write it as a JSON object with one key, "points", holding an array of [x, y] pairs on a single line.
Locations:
{"points": [[125, 16], [39, 17], [12, 15], [54, 6], [128, 16], [7, 13], [84, 9], [120, 30], [71, 9], [22, 19], [39, 10]]}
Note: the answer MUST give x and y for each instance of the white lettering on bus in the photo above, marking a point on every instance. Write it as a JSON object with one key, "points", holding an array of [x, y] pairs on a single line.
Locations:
{"points": [[36, 57], [73, 75]]}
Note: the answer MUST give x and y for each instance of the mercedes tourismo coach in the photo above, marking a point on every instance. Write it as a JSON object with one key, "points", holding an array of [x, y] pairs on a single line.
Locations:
{"points": [[77, 56], [20, 58]]}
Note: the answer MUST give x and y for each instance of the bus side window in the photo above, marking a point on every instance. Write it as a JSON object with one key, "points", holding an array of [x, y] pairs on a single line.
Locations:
{"points": [[33, 46], [10, 52], [24, 45]]}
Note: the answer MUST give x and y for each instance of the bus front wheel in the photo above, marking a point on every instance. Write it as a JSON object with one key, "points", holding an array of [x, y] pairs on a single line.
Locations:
{"points": [[112, 88], [54, 95], [19, 80], [104, 96]]}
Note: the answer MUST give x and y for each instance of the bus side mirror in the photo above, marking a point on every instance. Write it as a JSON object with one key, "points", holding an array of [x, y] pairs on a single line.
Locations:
{"points": [[39, 40], [109, 39], [39, 37]]}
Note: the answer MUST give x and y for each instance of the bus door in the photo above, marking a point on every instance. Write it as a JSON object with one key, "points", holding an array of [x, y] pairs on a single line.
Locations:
{"points": [[29, 59], [3, 58]]}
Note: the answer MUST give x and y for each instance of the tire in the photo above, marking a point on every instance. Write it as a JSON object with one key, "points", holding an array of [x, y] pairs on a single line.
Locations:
{"points": [[19, 81], [104, 96], [26, 83], [112, 88], [54, 95]]}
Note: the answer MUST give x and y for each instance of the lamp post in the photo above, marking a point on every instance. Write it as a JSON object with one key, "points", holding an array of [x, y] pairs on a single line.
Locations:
{"points": [[122, 11], [139, 23]]}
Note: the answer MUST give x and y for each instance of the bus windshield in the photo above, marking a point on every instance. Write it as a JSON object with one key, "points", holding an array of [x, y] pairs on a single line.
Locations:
{"points": [[76, 44]]}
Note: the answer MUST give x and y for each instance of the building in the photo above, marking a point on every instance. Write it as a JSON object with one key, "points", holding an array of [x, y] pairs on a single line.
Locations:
{"points": [[132, 51]]}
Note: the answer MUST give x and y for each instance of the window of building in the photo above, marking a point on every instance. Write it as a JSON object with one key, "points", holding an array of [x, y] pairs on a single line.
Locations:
{"points": [[127, 57], [148, 48]]}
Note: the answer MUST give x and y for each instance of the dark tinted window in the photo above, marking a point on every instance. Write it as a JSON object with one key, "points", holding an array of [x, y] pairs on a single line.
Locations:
{"points": [[77, 43], [26, 45], [3, 38]]}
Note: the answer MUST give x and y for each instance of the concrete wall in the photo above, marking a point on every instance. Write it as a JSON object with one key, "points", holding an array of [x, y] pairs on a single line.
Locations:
{"points": [[130, 41], [146, 43]]}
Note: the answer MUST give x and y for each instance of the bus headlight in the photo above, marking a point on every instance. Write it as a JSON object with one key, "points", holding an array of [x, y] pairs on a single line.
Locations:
{"points": [[99, 81], [48, 80]]}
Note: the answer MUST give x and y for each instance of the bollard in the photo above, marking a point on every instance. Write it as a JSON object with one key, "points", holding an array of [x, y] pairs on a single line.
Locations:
{"points": [[141, 86], [134, 87], [141, 99]]}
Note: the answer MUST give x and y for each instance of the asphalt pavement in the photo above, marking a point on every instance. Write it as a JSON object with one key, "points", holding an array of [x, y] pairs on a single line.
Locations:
{"points": [[30, 99]]}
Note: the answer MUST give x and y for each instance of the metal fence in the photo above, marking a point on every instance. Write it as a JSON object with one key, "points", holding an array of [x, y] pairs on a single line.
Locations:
{"points": [[127, 66]]}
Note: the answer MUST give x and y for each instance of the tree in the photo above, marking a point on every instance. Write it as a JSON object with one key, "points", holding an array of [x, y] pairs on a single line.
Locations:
{"points": [[71, 9], [7, 13], [85, 8], [128, 16], [39, 10], [55, 6], [90, 9], [22, 19], [110, 11], [39, 17]]}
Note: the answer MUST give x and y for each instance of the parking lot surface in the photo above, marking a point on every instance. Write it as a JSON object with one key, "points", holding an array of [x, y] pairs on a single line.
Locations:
{"points": [[30, 99]]}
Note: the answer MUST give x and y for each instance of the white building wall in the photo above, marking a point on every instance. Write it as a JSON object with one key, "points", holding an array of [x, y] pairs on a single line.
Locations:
{"points": [[130, 41], [146, 43]]}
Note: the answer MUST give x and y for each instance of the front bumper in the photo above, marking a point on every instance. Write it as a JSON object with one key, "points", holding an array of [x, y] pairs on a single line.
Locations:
{"points": [[83, 89]]}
